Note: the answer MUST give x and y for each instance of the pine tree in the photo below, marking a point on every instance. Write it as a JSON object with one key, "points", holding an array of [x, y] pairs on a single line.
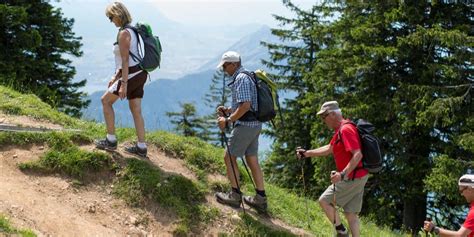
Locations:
{"points": [[405, 67], [292, 59], [34, 40], [188, 123], [219, 94]]}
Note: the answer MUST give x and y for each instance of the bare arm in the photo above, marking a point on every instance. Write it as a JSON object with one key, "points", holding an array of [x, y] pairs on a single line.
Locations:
{"points": [[124, 46], [321, 151], [356, 157], [462, 232], [240, 111]]}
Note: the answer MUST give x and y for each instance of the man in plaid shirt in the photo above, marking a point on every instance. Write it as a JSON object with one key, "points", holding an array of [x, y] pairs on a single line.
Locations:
{"points": [[243, 140]]}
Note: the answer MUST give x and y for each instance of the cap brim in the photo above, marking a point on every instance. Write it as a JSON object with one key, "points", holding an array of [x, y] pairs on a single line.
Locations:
{"points": [[219, 66], [322, 111]]}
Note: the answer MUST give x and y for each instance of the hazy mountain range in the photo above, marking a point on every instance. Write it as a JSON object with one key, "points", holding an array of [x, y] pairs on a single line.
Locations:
{"points": [[164, 95], [186, 47]]}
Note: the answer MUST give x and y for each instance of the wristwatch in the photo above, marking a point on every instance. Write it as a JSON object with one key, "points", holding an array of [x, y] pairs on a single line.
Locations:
{"points": [[227, 120], [343, 174], [435, 230]]}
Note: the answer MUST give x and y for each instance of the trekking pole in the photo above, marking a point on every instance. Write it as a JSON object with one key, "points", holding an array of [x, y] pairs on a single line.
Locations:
{"points": [[232, 163], [426, 232], [232, 166], [304, 189], [243, 162], [248, 173], [334, 203]]}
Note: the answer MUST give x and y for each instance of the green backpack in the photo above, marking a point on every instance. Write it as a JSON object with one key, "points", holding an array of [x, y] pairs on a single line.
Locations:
{"points": [[151, 58], [267, 98]]}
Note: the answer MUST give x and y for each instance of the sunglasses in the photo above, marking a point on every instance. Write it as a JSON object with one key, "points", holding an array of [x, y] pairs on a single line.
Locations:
{"points": [[462, 190], [323, 116], [111, 18]]}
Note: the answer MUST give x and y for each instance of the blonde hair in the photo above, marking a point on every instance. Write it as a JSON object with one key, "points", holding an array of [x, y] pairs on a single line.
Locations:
{"points": [[118, 9]]}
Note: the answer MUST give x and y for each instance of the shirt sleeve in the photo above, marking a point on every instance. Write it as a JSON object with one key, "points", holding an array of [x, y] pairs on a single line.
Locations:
{"points": [[350, 138], [243, 89], [469, 223]]}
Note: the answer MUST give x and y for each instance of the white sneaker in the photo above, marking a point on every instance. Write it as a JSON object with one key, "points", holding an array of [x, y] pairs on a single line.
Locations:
{"points": [[340, 233]]}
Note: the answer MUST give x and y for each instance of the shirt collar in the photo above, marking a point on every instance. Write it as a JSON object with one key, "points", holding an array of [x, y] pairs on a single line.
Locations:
{"points": [[239, 70]]}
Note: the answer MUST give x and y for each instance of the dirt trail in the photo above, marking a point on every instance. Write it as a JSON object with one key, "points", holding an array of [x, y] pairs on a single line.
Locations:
{"points": [[178, 166], [54, 206], [27, 121]]}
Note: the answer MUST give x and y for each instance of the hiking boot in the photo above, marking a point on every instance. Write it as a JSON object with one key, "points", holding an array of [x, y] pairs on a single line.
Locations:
{"points": [[258, 202], [105, 144], [230, 198], [136, 151], [340, 233]]}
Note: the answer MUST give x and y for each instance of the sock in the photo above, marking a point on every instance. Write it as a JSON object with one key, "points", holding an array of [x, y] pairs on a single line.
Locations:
{"points": [[111, 138], [341, 227], [261, 192], [141, 145], [236, 190]]}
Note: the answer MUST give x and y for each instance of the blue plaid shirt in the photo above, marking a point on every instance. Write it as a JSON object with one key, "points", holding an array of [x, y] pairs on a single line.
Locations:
{"points": [[243, 90]]}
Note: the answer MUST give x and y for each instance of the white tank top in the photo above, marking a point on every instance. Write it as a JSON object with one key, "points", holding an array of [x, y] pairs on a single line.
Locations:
{"points": [[133, 48]]}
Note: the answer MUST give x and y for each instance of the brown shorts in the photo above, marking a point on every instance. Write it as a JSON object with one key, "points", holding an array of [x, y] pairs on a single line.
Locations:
{"points": [[135, 84]]}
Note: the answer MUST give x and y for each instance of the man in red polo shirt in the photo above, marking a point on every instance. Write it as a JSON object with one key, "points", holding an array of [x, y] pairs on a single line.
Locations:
{"points": [[350, 177], [466, 188]]}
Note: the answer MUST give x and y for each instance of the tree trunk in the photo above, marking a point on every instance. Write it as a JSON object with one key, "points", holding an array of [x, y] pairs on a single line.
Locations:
{"points": [[414, 213]]}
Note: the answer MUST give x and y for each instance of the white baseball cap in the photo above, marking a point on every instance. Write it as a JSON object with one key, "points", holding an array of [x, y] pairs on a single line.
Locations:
{"points": [[229, 56], [467, 180]]}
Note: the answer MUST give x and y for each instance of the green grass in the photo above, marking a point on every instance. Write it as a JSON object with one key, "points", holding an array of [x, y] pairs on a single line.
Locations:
{"points": [[22, 104], [199, 156], [285, 205], [7, 229], [249, 226], [140, 181], [65, 157]]}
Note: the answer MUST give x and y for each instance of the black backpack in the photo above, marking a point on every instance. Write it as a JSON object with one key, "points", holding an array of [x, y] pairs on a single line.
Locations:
{"points": [[151, 58], [372, 159], [267, 98]]}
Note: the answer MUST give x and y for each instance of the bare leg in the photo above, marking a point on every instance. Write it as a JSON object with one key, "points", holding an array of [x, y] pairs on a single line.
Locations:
{"points": [[136, 109], [329, 210], [354, 224], [257, 173], [230, 174], [108, 99]]}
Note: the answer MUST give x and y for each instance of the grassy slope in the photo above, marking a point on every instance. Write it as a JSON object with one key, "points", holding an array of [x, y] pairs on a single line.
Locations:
{"points": [[139, 182], [7, 229]]}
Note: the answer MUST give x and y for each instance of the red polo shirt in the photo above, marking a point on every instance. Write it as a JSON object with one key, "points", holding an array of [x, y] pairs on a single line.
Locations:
{"points": [[342, 148], [469, 223]]}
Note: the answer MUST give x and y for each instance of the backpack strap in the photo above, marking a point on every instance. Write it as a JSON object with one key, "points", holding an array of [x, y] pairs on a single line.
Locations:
{"points": [[249, 115], [135, 57], [339, 133]]}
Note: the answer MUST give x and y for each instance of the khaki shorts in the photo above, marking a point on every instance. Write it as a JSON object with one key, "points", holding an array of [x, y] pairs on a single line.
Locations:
{"points": [[244, 141], [349, 194]]}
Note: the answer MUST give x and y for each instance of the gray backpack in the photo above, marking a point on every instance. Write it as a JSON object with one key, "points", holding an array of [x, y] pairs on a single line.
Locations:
{"points": [[151, 58], [267, 98]]}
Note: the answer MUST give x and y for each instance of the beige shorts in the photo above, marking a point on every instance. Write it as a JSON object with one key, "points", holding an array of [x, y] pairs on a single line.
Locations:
{"points": [[349, 194]]}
